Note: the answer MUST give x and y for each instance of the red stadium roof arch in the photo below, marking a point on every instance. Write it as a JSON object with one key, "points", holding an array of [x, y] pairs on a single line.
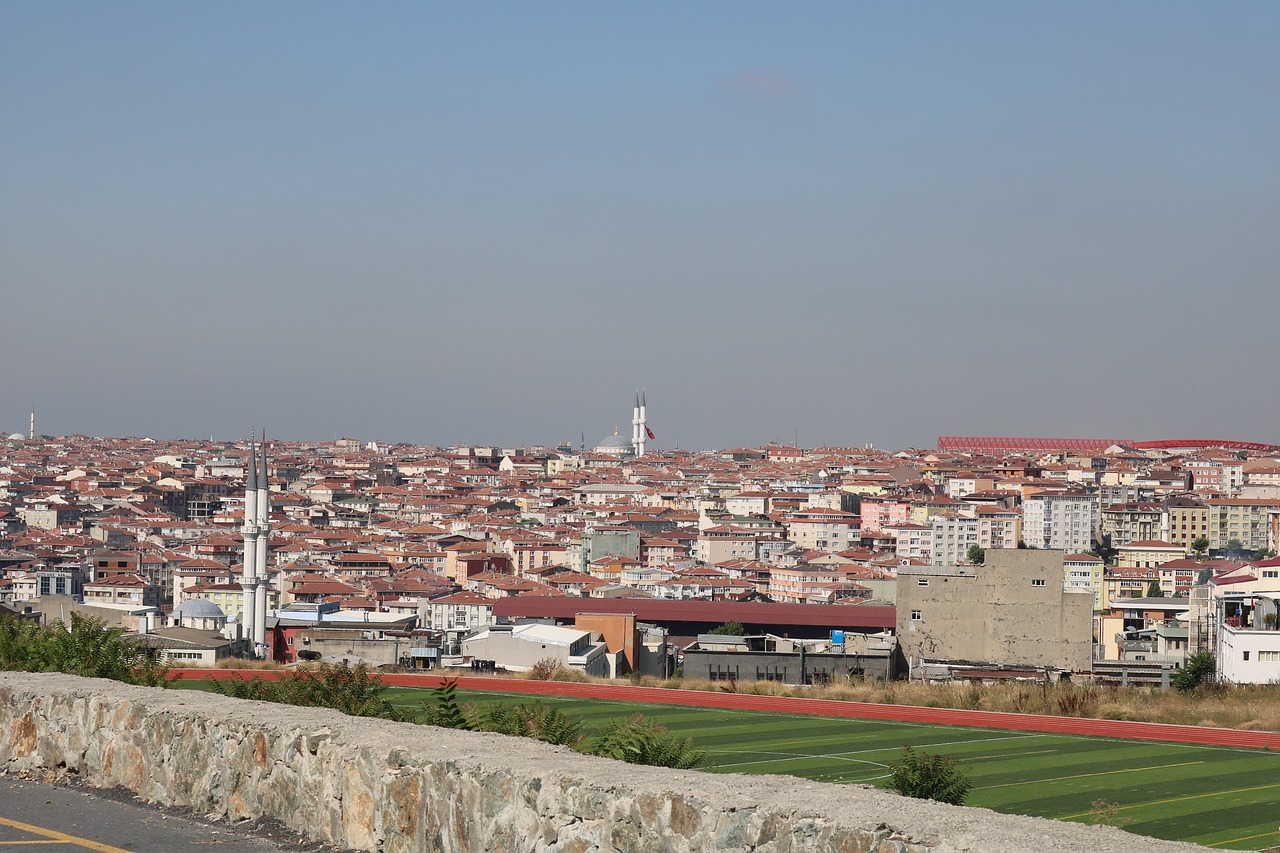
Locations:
{"points": [[990, 444]]}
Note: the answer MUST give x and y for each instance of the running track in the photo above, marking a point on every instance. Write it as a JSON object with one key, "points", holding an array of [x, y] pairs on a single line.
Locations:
{"points": [[815, 707]]}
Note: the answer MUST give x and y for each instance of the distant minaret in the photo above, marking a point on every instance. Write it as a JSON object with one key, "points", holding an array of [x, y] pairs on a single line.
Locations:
{"points": [[260, 564], [635, 426], [643, 432], [250, 531], [31, 436]]}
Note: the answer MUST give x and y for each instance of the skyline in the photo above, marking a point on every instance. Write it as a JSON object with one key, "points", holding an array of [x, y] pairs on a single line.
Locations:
{"points": [[446, 225]]}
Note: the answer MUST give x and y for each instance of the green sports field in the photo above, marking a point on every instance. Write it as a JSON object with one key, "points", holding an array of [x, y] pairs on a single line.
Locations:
{"points": [[1216, 796]]}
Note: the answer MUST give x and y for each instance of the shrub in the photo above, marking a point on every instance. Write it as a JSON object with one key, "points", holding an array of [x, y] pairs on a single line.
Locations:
{"points": [[641, 741], [535, 720], [1104, 813], [352, 690], [1199, 669], [929, 777], [86, 647], [544, 669], [446, 712]]}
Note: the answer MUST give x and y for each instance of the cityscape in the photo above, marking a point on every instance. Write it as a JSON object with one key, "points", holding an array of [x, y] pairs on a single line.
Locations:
{"points": [[677, 427], [1145, 553]]}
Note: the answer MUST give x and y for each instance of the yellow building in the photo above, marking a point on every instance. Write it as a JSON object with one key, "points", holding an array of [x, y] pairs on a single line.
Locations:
{"points": [[1188, 520]]}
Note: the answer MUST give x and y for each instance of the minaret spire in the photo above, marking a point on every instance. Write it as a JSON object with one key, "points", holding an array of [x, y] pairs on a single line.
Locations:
{"points": [[260, 562], [250, 532], [31, 436], [644, 424]]}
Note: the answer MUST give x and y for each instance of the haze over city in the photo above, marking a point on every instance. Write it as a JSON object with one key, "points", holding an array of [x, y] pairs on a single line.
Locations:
{"points": [[841, 223]]}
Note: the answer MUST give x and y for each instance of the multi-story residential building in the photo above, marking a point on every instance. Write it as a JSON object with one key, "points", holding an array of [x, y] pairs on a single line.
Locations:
{"points": [[823, 529], [1127, 582], [1061, 521], [952, 537], [914, 541], [1149, 553], [1131, 522], [999, 528], [129, 590], [1084, 572], [1247, 520], [1215, 472], [1186, 520], [457, 612], [881, 511]]}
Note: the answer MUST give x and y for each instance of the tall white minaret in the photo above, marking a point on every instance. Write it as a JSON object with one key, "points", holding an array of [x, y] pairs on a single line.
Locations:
{"points": [[250, 532], [643, 432], [260, 563], [31, 436], [635, 426]]}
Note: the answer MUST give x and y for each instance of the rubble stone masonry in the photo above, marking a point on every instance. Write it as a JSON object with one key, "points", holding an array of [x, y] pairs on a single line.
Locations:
{"points": [[396, 787]]}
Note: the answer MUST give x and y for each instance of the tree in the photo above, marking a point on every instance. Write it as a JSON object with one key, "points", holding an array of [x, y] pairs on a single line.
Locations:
{"points": [[1235, 549], [1200, 669], [976, 555], [730, 628], [1154, 590], [1199, 546], [1262, 554], [929, 777]]}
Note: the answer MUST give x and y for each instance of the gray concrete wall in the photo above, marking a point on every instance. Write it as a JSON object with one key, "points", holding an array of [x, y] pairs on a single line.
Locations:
{"points": [[395, 787], [1012, 610]]}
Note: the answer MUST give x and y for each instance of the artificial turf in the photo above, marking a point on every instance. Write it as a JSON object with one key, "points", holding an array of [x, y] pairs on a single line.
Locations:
{"points": [[1216, 796]]}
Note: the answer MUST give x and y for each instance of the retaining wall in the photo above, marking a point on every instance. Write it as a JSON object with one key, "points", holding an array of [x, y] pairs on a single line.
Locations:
{"points": [[373, 785]]}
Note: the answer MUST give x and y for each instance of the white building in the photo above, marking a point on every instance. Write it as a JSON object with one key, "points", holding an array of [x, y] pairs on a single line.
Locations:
{"points": [[1061, 521], [952, 537], [1248, 644]]}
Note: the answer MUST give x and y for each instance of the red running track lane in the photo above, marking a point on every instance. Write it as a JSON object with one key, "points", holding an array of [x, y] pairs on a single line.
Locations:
{"points": [[815, 707]]}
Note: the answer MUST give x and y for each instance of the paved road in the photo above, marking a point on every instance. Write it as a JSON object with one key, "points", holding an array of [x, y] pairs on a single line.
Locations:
{"points": [[40, 818]]}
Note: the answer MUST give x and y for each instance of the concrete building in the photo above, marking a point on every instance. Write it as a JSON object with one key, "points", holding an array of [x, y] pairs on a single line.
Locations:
{"points": [[1244, 519], [1012, 611], [1061, 521], [953, 536], [768, 657], [1131, 522], [1186, 520], [519, 647], [1248, 645]]}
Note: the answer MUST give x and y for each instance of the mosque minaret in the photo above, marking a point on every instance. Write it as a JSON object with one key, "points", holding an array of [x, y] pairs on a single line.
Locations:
{"points": [[256, 532]]}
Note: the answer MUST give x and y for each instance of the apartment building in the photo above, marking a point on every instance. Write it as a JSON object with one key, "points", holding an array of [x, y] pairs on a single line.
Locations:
{"points": [[1084, 572], [1245, 519], [1061, 521], [1131, 522], [952, 537], [1186, 520]]}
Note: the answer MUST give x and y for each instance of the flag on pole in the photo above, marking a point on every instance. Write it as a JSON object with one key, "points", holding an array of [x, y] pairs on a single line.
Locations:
{"points": [[649, 433]]}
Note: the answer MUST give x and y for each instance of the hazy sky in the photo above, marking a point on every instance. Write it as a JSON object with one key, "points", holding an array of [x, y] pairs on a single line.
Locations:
{"points": [[492, 222]]}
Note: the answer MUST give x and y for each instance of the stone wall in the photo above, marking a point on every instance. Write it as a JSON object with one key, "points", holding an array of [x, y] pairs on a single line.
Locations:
{"points": [[379, 786]]}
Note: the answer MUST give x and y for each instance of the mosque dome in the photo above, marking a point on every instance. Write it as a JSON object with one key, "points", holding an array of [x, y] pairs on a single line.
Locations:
{"points": [[614, 445], [199, 608], [199, 612]]}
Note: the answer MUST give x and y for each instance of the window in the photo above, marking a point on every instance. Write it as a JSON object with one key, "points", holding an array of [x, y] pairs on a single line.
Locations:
{"points": [[1246, 655], [1269, 657], [1037, 582], [922, 581], [915, 614]]}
